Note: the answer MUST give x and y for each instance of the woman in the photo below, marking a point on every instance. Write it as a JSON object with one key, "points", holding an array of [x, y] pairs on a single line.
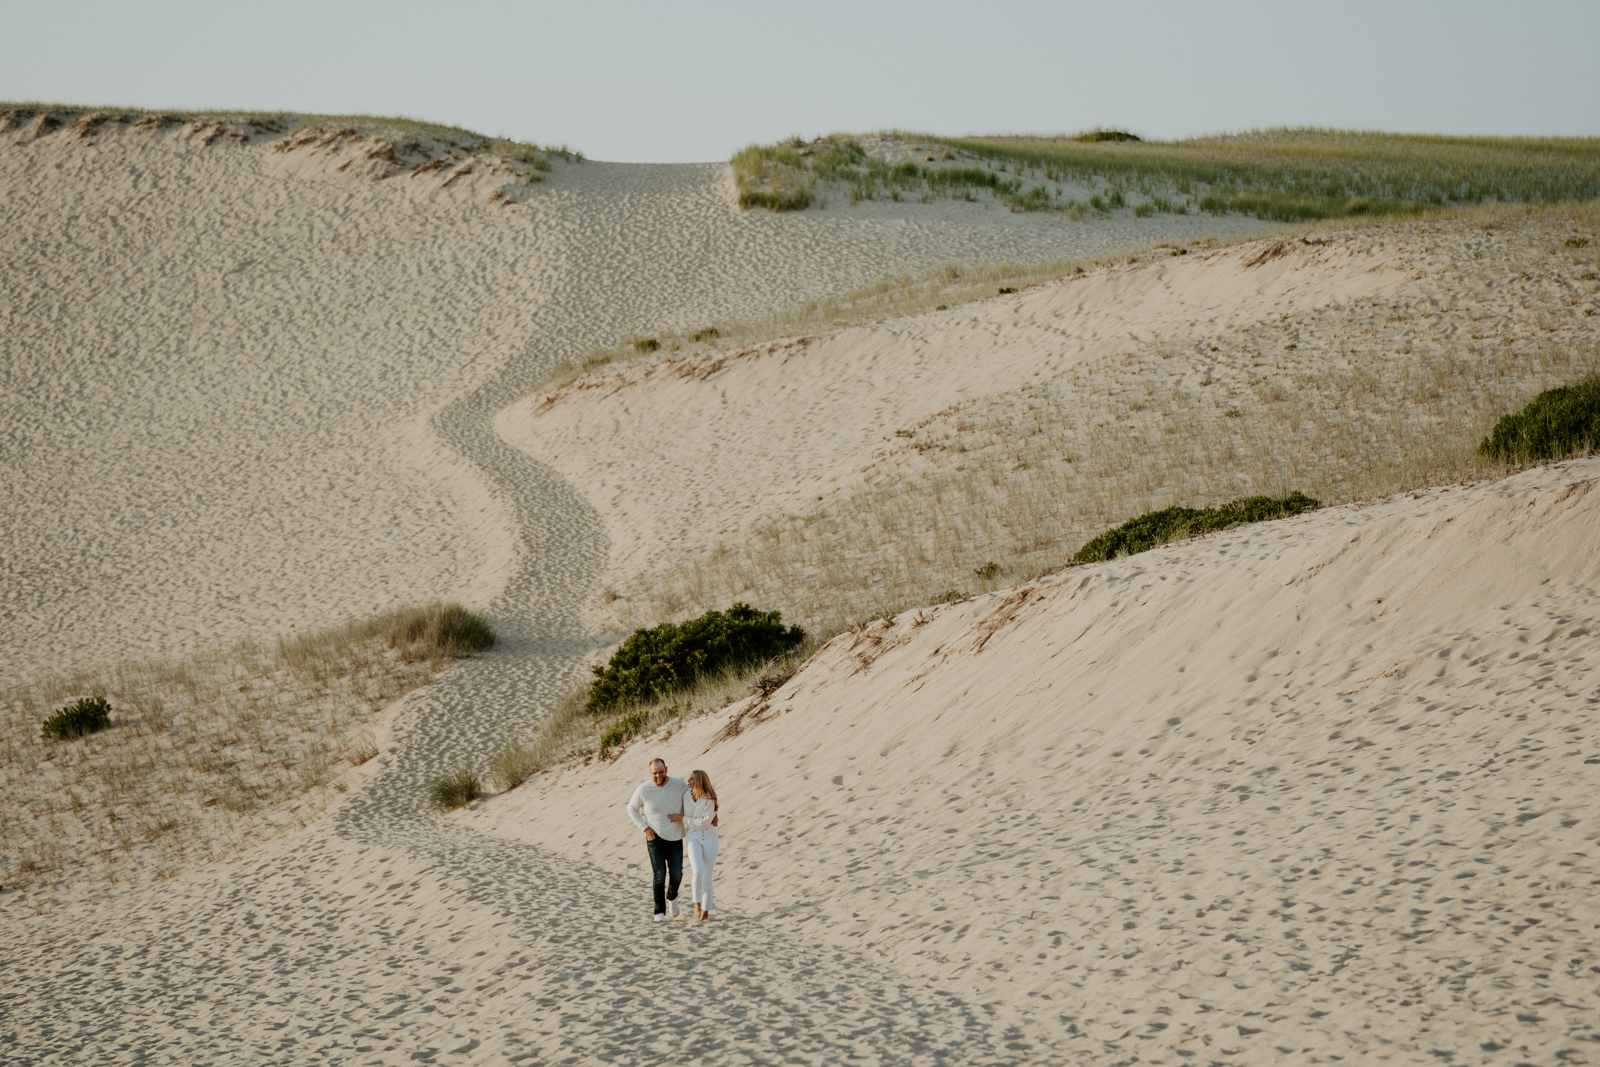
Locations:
{"points": [[699, 811]]}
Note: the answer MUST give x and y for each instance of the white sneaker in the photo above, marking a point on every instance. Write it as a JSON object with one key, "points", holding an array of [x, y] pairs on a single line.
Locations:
{"points": [[672, 906], [659, 917]]}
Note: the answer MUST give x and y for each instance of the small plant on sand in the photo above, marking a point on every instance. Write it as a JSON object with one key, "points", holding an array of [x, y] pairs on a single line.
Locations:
{"points": [[87, 716], [1173, 524], [646, 344], [455, 790], [438, 631], [1554, 424], [988, 571], [672, 656], [710, 333]]}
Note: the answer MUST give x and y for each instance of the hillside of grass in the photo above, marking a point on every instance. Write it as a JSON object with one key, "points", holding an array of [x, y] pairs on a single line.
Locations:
{"points": [[1278, 174]]}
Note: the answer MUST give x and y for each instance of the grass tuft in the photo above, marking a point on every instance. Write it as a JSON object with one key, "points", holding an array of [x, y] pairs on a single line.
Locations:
{"points": [[1555, 424], [455, 790], [1177, 524]]}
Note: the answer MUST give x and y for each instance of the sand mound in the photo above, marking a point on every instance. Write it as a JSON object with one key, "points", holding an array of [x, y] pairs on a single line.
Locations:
{"points": [[1314, 788], [684, 450]]}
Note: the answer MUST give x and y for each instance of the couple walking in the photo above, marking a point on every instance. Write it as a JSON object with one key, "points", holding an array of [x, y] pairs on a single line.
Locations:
{"points": [[672, 812]]}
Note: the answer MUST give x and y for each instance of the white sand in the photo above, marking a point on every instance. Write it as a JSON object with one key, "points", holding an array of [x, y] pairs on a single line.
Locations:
{"points": [[249, 391], [1314, 789]]}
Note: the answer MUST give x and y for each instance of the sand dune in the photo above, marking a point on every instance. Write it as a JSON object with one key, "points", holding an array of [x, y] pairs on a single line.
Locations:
{"points": [[1288, 793], [682, 451], [1306, 790], [247, 389]]}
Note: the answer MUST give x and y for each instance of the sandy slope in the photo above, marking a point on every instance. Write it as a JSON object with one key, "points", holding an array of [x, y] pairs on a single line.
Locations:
{"points": [[1314, 789], [234, 372], [683, 450]]}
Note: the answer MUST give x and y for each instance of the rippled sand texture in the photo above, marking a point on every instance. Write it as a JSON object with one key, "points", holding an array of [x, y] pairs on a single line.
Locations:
{"points": [[1316, 790], [246, 391]]}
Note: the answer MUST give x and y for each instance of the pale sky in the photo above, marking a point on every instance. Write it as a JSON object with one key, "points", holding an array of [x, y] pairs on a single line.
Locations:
{"points": [[677, 82]]}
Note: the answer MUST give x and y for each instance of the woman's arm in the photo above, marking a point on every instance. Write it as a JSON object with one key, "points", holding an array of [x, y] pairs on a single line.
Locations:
{"points": [[698, 821]]}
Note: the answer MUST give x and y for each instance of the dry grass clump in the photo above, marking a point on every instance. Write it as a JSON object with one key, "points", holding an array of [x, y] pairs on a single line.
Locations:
{"points": [[203, 755], [1341, 403]]}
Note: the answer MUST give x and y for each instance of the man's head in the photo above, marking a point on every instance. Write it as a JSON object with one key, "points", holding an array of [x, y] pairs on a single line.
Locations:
{"points": [[658, 771]]}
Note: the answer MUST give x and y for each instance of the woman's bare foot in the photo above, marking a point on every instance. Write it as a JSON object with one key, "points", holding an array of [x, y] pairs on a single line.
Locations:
{"points": [[704, 915], [697, 909]]}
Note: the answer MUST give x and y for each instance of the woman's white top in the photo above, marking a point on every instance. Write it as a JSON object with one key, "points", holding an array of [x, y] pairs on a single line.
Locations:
{"points": [[697, 814]]}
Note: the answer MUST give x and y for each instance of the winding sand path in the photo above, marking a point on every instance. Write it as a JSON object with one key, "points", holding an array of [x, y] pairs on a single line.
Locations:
{"points": [[246, 393]]}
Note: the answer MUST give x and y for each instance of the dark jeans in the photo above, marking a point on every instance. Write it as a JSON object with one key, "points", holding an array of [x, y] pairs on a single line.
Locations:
{"points": [[665, 856]]}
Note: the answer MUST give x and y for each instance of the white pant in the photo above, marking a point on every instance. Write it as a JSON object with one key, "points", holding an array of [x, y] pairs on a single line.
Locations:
{"points": [[702, 855]]}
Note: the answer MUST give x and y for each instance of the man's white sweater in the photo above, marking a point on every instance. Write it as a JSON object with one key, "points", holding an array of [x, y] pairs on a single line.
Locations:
{"points": [[651, 804]]}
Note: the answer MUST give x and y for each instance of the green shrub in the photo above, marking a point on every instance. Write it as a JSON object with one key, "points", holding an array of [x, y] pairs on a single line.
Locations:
{"points": [[670, 657], [87, 716], [646, 344], [456, 790], [795, 200], [1172, 524], [710, 333], [1097, 134], [1556, 423]]}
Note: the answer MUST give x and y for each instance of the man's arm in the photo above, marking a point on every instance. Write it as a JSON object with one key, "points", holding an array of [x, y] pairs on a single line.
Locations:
{"points": [[636, 812]]}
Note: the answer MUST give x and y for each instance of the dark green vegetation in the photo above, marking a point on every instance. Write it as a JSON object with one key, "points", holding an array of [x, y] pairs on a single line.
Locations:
{"points": [[672, 656], [646, 344], [455, 790], [1173, 524], [1292, 174], [89, 715], [1554, 424]]}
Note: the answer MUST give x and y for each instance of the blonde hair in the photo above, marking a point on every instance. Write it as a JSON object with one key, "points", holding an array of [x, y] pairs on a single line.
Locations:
{"points": [[701, 783]]}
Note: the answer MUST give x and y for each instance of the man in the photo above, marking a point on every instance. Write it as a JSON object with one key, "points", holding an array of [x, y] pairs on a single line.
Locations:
{"points": [[657, 809]]}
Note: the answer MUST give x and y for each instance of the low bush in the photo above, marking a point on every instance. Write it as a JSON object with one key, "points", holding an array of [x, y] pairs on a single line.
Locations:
{"points": [[1554, 424], [456, 790], [1097, 135], [87, 716], [672, 656], [646, 344], [1173, 524]]}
